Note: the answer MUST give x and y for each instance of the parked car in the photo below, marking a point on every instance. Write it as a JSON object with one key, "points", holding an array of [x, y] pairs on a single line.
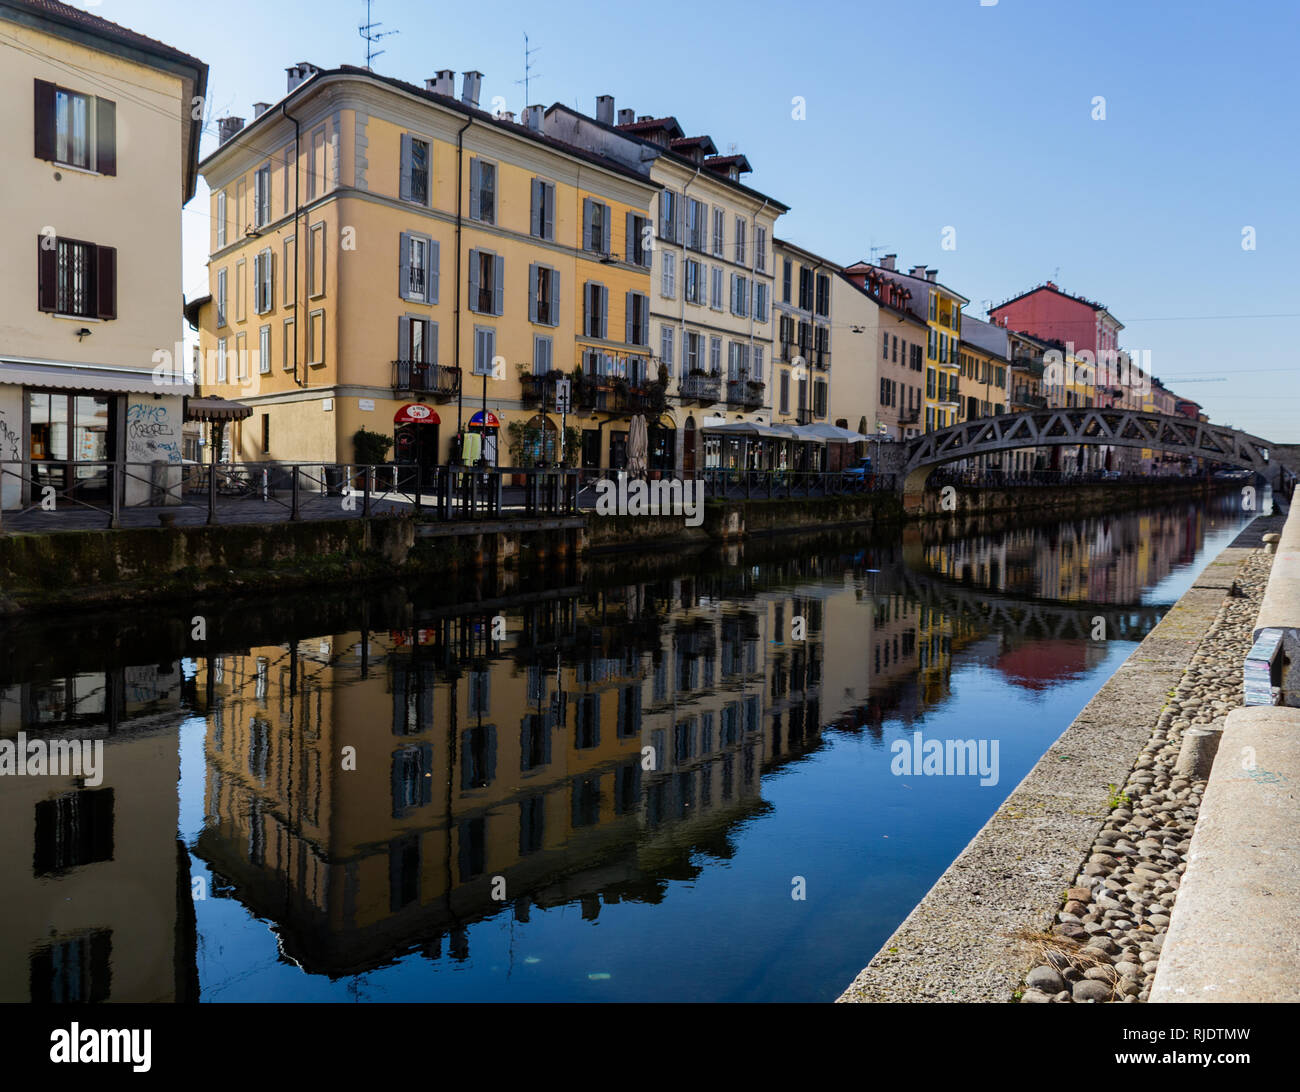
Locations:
{"points": [[860, 471]]}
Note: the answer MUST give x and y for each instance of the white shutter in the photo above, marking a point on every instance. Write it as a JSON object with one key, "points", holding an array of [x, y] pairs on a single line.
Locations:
{"points": [[498, 285]]}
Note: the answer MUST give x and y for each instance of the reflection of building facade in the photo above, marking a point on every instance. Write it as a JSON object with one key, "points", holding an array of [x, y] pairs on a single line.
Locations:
{"points": [[97, 887]]}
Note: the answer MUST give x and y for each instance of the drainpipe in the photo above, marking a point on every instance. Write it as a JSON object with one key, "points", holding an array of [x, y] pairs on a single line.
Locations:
{"points": [[460, 191], [298, 240], [681, 307], [771, 407]]}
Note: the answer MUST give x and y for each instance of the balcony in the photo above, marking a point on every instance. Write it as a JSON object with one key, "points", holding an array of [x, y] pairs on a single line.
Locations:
{"points": [[950, 395], [604, 396], [746, 393], [1032, 364], [437, 381], [821, 359], [703, 388], [910, 417], [1023, 398]]}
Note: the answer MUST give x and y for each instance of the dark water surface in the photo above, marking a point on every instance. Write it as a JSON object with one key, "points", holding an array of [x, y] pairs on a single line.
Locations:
{"points": [[373, 795]]}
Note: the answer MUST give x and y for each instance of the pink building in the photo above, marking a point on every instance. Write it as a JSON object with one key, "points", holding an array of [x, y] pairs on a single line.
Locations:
{"points": [[1053, 315]]}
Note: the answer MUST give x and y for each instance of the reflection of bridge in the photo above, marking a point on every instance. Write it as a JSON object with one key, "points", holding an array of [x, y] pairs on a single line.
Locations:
{"points": [[1089, 427], [1032, 618]]}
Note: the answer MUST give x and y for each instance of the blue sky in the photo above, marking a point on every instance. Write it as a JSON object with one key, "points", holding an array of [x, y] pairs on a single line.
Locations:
{"points": [[920, 116]]}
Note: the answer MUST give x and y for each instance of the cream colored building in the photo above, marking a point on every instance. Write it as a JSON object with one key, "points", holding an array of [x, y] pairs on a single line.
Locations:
{"points": [[105, 126], [712, 287]]}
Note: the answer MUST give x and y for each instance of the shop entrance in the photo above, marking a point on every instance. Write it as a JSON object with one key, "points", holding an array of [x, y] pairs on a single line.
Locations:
{"points": [[73, 437], [415, 436]]}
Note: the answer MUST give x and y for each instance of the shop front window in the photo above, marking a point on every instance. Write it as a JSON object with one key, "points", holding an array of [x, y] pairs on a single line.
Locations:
{"points": [[71, 441]]}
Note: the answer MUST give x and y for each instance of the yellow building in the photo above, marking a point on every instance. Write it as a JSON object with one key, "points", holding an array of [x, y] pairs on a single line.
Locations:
{"points": [[104, 126], [391, 258]]}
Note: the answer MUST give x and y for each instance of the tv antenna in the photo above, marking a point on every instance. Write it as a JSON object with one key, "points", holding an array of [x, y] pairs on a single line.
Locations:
{"points": [[370, 32], [871, 256], [528, 70]]}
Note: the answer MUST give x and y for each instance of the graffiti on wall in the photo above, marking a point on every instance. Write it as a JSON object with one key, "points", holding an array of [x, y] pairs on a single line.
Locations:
{"points": [[10, 440], [151, 434]]}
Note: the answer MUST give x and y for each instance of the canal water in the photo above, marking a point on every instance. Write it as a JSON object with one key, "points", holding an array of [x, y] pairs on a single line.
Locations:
{"points": [[660, 779]]}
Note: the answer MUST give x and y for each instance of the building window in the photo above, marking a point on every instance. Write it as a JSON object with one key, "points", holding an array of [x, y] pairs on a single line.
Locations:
{"points": [[543, 355], [719, 220], [486, 282], [482, 191], [316, 260], [716, 302], [417, 340], [221, 360], [485, 349], [670, 224], [221, 219], [695, 289], [696, 227], [715, 355], [884, 346], [262, 195], [666, 346], [595, 321], [543, 295], [263, 297], [739, 295], [419, 265], [805, 288], [73, 830], [595, 226], [316, 337], [760, 301], [638, 319], [266, 434], [668, 266], [760, 249], [637, 251], [930, 383], [819, 399], [787, 271], [785, 392], [264, 350], [692, 344], [290, 357], [740, 240], [74, 129], [76, 278], [823, 294], [542, 209], [415, 170]]}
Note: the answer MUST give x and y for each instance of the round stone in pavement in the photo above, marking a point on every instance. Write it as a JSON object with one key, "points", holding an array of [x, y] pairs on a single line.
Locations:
{"points": [[1047, 979], [1089, 989]]}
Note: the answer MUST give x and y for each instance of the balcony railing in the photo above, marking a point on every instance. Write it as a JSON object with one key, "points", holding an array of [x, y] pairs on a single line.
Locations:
{"points": [[704, 389], [1033, 364], [744, 392], [910, 417], [950, 394], [804, 416], [438, 381], [1021, 396], [605, 397]]}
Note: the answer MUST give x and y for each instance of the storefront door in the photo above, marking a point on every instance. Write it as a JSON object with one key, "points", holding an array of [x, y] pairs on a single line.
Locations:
{"points": [[73, 439]]}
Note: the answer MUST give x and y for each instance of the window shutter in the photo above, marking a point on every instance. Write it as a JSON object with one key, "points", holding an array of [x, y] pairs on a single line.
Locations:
{"points": [[498, 285], [548, 210], [681, 221], [403, 339], [604, 311], [44, 120], [406, 167], [47, 274], [535, 208], [435, 260], [404, 267], [473, 279], [106, 136], [629, 247], [475, 182], [555, 297], [532, 292], [106, 281], [586, 223], [431, 343], [257, 283], [627, 303]]}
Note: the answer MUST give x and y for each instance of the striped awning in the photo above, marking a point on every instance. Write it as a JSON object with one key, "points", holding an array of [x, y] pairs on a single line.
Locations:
{"points": [[90, 377], [214, 408]]}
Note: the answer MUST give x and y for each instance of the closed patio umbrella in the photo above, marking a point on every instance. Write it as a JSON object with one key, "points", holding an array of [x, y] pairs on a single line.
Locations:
{"points": [[638, 445]]}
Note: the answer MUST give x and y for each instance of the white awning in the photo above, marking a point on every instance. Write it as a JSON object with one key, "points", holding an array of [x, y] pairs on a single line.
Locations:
{"points": [[89, 377]]}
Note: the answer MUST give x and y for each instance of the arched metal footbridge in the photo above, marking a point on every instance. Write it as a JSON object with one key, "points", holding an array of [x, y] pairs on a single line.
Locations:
{"points": [[1088, 427]]}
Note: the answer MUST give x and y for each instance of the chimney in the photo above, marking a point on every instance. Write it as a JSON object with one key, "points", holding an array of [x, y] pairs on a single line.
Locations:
{"points": [[443, 83], [917, 271], [533, 117], [605, 109], [932, 275], [470, 88], [300, 73], [260, 108], [887, 262], [626, 117], [505, 115], [228, 127]]}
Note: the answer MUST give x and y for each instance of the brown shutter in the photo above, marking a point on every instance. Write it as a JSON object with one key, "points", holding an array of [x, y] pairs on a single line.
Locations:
{"points": [[106, 281], [47, 275], [44, 120], [106, 136]]}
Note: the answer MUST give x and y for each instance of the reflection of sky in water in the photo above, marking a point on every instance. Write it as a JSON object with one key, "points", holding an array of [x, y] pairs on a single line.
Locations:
{"points": [[867, 845]]}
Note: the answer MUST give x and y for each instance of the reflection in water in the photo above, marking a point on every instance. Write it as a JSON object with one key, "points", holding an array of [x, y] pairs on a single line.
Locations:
{"points": [[434, 781]]}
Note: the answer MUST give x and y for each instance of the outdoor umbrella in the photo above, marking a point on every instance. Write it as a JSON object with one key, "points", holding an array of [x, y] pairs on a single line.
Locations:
{"points": [[638, 443]]}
